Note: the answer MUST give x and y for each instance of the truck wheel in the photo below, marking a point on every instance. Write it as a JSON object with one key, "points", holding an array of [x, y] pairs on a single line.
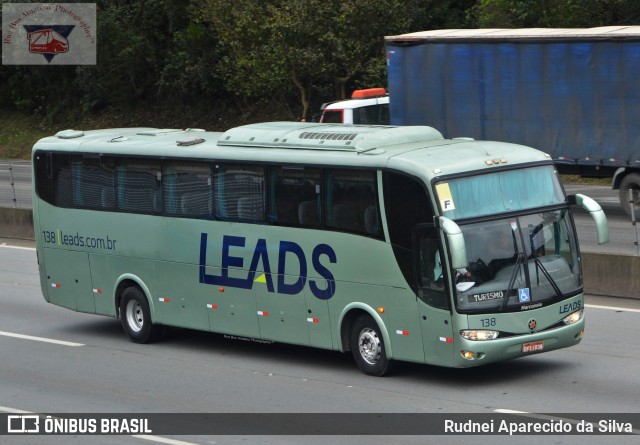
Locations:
{"points": [[135, 316], [367, 346], [630, 182]]}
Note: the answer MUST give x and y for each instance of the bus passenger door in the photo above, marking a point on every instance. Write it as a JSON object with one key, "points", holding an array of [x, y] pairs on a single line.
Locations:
{"points": [[433, 295]]}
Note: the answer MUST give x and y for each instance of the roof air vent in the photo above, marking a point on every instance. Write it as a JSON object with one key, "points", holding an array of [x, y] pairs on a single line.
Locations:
{"points": [[69, 134], [330, 136]]}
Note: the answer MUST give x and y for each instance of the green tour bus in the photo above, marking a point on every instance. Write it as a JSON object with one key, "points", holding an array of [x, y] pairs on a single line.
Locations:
{"points": [[390, 242]]}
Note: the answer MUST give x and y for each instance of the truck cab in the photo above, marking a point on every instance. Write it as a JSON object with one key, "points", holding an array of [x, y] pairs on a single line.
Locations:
{"points": [[366, 107]]}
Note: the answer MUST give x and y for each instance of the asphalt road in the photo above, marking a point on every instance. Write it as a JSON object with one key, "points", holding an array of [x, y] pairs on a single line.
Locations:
{"points": [[201, 372]]}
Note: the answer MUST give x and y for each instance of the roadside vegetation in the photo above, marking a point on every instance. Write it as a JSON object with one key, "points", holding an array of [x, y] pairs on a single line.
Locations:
{"points": [[214, 64]]}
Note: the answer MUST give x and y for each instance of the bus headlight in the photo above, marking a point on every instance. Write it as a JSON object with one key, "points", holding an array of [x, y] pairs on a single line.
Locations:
{"points": [[479, 335], [574, 317]]}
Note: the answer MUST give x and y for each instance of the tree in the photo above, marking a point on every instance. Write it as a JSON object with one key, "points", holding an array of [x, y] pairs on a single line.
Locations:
{"points": [[286, 46]]}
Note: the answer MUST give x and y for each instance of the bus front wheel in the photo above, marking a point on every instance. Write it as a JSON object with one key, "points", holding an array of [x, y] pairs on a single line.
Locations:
{"points": [[367, 346], [135, 316]]}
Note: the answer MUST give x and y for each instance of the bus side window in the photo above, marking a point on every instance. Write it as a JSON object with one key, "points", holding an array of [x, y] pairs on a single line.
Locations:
{"points": [[53, 178], [44, 176], [294, 196], [63, 196], [98, 182], [351, 202], [188, 189], [139, 185], [78, 181], [239, 192]]}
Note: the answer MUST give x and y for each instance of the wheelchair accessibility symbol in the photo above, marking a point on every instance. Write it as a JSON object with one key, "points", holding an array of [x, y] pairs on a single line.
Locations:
{"points": [[523, 295]]}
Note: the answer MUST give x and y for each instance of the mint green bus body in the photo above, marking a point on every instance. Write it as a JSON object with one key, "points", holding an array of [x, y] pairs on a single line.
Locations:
{"points": [[360, 238]]}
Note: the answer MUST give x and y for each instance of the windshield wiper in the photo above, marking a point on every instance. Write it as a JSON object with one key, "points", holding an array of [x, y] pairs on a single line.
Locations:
{"points": [[540, 266], [538, 263], [512, 280]]}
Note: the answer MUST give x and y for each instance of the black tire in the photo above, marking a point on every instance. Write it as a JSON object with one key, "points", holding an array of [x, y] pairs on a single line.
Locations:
{"points": [[630, 182], [135, 316], [367, 346]]}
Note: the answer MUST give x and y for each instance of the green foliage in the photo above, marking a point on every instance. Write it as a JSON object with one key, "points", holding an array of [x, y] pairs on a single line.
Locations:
{"points": [[311, 48], [132, 37], [18, 133]]}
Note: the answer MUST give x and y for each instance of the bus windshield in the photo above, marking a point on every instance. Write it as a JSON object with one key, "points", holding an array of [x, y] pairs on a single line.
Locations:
{"points": [[499, 192], [518, 263]]}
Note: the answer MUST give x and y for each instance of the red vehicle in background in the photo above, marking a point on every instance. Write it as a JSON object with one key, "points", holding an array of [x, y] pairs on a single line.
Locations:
{"points": [[47, 41]]}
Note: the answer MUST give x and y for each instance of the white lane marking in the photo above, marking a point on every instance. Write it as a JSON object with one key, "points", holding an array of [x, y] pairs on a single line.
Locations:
{"points": [[510, 411], [6, 409], [158, 439], [42, 339], [612, 308], [16, 247], [163, 440]]}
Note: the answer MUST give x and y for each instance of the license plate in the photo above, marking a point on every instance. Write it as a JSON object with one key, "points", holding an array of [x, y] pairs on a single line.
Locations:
{"points": [[534, 346]]}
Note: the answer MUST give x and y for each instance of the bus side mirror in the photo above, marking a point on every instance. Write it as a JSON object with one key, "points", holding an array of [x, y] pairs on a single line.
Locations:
{"points": [[596, 213], [455, 238]]}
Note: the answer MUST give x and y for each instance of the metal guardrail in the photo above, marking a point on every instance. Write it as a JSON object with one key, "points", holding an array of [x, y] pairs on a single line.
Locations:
{"points": [[15, 184]]}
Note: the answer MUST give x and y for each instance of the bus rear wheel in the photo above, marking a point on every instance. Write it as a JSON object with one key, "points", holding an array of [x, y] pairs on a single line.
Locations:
{"points": [[135, 316], [367, 347]]}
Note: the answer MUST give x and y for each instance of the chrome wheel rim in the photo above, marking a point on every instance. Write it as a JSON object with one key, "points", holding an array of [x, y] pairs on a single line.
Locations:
{"points": [[370, 346], [135, 317]]}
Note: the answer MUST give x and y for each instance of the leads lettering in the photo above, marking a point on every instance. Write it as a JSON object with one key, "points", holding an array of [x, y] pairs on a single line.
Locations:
{"points": [[570, 307], [323, 249], [290, 257], [294, 250]]}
